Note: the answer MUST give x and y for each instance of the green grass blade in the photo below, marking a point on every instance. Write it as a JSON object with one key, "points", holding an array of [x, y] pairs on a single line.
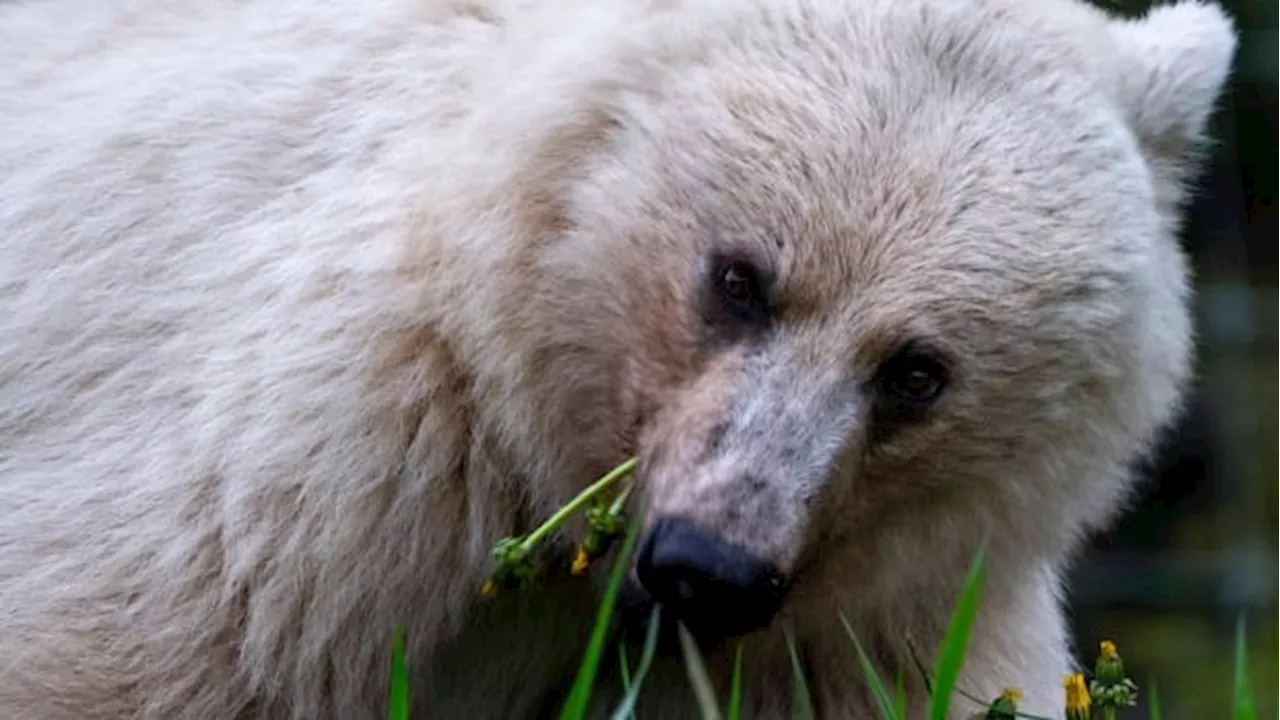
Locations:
{"points": [[1153, 701], [928, 683], [878, 691], [920, 668], [801, 702], [900, 694], [624, 669], [626, 708], [398, 700], [575, 707], [955, 641], [703, 690], [735, 689], [1243, 708]]}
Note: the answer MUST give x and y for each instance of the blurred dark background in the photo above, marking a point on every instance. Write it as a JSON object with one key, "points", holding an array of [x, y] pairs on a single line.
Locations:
{"points": [[1200, 548]]}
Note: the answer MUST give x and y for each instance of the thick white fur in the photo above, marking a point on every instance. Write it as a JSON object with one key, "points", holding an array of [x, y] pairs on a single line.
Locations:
{"points": [[305, 304]]}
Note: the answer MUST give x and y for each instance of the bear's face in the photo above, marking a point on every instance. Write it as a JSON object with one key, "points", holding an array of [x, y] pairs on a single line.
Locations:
{"points": [[890, 268]]}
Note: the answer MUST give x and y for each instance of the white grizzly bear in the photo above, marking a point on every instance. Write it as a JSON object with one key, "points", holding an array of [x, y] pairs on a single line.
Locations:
{"points": [[306, 304]]}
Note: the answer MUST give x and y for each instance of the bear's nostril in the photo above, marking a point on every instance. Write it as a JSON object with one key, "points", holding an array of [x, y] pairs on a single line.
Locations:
{"points": [[715, 588]]}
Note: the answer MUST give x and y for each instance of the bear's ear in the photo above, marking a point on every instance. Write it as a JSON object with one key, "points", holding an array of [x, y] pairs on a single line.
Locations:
{"points": [[1173, 65]]}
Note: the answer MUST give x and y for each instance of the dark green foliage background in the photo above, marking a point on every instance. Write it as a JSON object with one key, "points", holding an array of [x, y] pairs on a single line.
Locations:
{"points": [[1168, 583]]}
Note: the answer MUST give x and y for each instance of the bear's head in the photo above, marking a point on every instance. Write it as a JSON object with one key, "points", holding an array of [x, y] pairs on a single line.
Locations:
{"points": [[879, 279]]}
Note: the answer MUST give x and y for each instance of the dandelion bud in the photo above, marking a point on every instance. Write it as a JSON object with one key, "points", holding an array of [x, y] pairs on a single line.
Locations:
{"points": [[581, 560], [513, 563], [604, 526], [1005, 707], [1110, 688], [606, 522], [1109, 669]]}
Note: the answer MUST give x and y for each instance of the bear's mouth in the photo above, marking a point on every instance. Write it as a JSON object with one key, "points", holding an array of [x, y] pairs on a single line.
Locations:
{"points": [[636, 612]]}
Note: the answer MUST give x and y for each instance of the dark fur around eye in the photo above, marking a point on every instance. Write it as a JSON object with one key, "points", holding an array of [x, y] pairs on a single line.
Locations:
{"points": [[735, 302], [908, 384]]}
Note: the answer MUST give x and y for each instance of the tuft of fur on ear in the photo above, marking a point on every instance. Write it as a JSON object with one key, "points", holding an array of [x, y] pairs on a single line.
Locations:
{"points": [[1174, 63]]}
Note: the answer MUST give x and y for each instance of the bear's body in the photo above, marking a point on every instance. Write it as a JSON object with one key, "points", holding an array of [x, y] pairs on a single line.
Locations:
{"points": [[306, 304]]}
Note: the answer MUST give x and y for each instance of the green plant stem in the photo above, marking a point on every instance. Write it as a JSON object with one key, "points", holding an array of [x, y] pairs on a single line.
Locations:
{"points": [[564, 513], [977, 701], [1108, 713], [575, 708], [398, 699], [802, 704], [735, 690], [703, 690], [621, 500], [626, 709]]}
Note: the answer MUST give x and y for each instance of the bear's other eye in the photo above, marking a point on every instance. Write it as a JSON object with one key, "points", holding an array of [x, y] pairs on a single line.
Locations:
{"points": [[737, 301], [916, 384], [739, 285], [912, 380]]}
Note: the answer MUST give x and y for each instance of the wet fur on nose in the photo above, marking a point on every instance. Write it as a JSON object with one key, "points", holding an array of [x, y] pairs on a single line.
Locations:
{"points": [[718, 590]]}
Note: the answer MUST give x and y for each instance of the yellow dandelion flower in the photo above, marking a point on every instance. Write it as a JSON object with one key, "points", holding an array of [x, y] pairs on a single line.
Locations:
{"points": [[1108, 650], [580, 561], [489, 589], [1077, 697], [1012, 695]]}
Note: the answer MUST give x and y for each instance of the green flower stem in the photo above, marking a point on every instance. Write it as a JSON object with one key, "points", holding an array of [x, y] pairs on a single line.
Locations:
{"points": [[1108, 713], [564, 513], [621, 500]]}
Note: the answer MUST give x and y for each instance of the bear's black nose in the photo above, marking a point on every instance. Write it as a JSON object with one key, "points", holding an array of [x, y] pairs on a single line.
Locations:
{"points": [[717, 590]]}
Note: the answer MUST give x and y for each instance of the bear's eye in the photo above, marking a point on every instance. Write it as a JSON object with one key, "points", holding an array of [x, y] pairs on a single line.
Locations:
{"points": [[735, 302], [738, 282], [737, 294], [913, 380]]}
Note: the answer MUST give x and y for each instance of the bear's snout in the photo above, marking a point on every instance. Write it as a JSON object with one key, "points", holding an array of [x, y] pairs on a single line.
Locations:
{"points": [[717, 589]]}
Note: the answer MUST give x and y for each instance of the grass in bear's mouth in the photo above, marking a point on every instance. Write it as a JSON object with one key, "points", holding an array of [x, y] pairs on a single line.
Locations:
{"points": [[1105, 692]]}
